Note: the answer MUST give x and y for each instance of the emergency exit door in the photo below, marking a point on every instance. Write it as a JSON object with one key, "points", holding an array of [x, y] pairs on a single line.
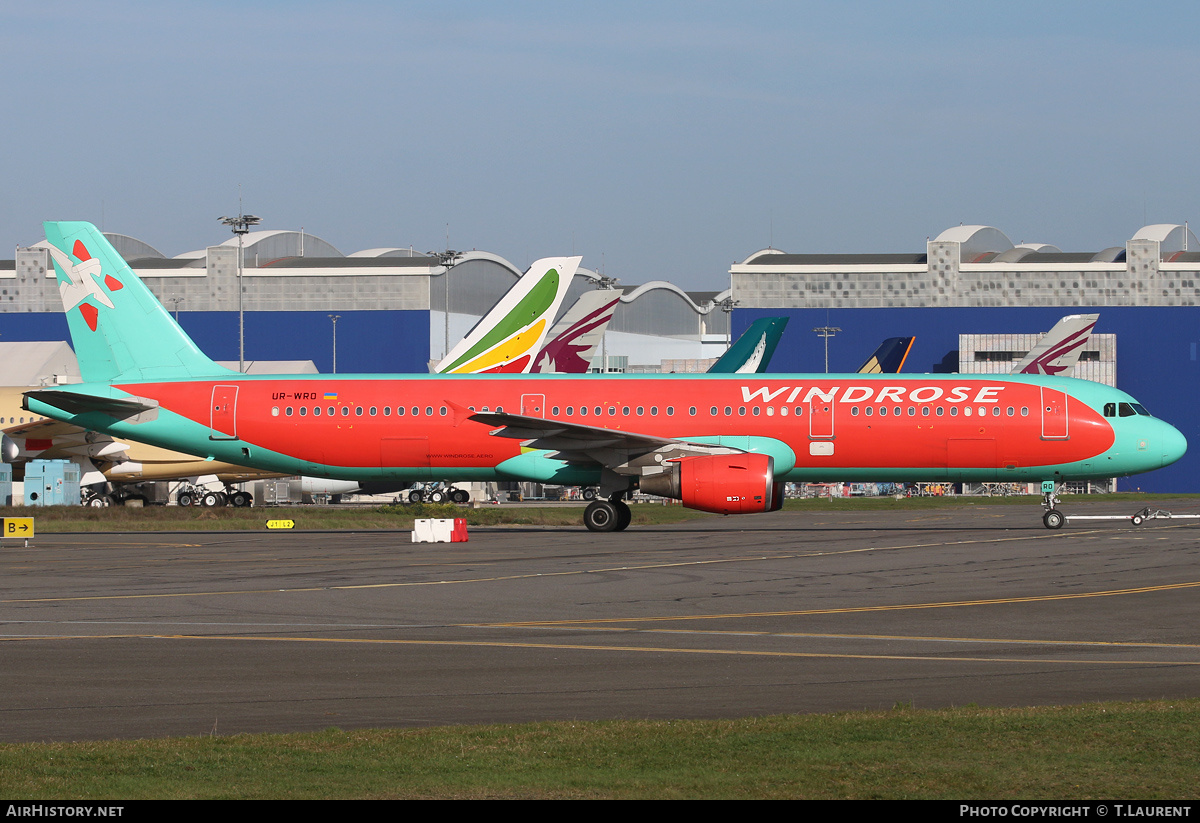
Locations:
{"points": [[1055, 421], [223, 413]]}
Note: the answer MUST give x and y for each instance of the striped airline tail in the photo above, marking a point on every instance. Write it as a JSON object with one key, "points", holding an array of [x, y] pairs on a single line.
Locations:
{"points": [[511, 334], [118, 328]]}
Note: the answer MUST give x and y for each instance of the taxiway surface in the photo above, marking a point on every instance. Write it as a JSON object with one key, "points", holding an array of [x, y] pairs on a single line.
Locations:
{"points": [[122, 636]]}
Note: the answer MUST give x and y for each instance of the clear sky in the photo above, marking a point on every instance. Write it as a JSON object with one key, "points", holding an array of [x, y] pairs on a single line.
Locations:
{"points": [[659, 140]]}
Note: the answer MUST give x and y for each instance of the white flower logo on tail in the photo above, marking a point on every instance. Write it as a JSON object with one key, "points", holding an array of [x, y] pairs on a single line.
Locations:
{"points": [[83, 281]]}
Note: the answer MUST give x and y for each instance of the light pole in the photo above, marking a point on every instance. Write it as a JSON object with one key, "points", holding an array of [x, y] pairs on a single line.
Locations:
{"points": [[176, 301], [605, 282], [241, 226], [334, 318], [827, 332], [727, 306], [448, 259]]}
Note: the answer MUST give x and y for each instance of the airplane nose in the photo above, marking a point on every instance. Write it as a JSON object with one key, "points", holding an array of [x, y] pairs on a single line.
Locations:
{"points": [[1174, 444]]}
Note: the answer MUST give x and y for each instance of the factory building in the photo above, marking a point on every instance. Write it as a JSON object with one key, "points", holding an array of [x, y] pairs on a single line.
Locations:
{"points": [[393, 309], [974, 300], [973, 297]]}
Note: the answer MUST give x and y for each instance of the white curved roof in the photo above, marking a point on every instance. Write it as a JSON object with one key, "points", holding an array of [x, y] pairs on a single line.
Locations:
{"points": [[761, 252], [1171, 237], [976, 240], [274, 244], [653, 285], [131, 248], [387, 251]]}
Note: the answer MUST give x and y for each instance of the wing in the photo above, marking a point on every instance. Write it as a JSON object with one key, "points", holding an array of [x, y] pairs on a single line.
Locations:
{"points": [[53, 440], [623, 452]]}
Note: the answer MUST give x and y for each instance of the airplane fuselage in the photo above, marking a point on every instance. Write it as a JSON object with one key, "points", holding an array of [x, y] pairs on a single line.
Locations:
{"points": [[815, 427]]}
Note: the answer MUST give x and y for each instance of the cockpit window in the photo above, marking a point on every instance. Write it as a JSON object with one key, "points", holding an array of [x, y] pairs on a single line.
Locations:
{"points": [[1125, 410]]}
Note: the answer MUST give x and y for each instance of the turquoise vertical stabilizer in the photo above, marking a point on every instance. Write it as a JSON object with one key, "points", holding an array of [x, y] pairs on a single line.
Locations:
{"points": [[751, 353], [119, 329]]}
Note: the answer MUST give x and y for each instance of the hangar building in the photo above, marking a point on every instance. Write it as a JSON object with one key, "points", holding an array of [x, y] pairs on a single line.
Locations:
{"points": [[972, 290], [972, 280], [395, 310]]}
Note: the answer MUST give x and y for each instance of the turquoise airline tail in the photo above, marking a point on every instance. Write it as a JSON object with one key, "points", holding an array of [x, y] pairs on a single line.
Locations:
{"points": [[751, 353], [119, 329]]}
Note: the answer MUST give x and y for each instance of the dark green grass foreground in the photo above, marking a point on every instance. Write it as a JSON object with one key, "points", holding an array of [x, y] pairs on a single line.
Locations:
{"points": [[349, 517], [1108, 751]]}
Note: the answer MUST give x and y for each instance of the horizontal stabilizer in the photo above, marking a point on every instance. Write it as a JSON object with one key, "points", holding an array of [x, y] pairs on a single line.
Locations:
{"points": [[76, 403]]}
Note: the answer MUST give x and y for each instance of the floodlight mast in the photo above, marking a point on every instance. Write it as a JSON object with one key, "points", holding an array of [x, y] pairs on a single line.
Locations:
{"points": [[727, 305], [448, 260], [240, 226], [335, 318], [827, 332], [604, 281]]}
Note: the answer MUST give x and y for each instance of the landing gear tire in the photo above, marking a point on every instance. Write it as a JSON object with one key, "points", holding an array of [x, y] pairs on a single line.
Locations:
{"points": [[589, 494], [186, 499], [437, 497], [416, 496], [98, 501], [212, 499], [242, 500], [602, 516], [460, 496], [1053, 519], [624, 515]]}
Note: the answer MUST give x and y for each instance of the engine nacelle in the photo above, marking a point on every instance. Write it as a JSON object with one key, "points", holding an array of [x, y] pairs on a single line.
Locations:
{"points": [[9, 450], [721, 483]]}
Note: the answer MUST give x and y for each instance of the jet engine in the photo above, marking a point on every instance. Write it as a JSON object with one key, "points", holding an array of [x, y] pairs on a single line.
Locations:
{"points": [[721, 483], [9, 450]]}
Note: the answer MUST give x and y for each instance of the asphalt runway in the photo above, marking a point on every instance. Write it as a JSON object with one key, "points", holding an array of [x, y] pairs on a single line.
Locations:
{"points": [[129, 636]]}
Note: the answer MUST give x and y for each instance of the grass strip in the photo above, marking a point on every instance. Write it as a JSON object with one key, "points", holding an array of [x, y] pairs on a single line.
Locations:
{"points": [[1142, 750]]}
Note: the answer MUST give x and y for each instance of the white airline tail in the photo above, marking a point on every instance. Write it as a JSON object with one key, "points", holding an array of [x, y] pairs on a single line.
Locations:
{"points": [[1059, 349], [575, 337]]}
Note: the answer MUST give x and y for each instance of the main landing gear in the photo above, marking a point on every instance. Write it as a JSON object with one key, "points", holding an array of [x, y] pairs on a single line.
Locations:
{"points": [[438, 493], [199, 496], [612, 515]]}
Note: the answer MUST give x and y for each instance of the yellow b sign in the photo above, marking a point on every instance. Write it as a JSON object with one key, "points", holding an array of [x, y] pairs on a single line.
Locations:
{"points": [[19, 527]]}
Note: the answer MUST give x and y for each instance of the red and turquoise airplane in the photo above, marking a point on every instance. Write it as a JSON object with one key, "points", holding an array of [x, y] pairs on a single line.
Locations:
{"points": [[723, 443]]}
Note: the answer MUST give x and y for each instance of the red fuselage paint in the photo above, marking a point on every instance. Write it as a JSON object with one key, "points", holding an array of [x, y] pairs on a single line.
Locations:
{"points": [[889, 423]]}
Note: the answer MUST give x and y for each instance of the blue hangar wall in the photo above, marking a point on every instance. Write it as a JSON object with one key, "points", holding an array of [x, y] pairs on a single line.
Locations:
{"points": [[1157, 357], [368, 341]]}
